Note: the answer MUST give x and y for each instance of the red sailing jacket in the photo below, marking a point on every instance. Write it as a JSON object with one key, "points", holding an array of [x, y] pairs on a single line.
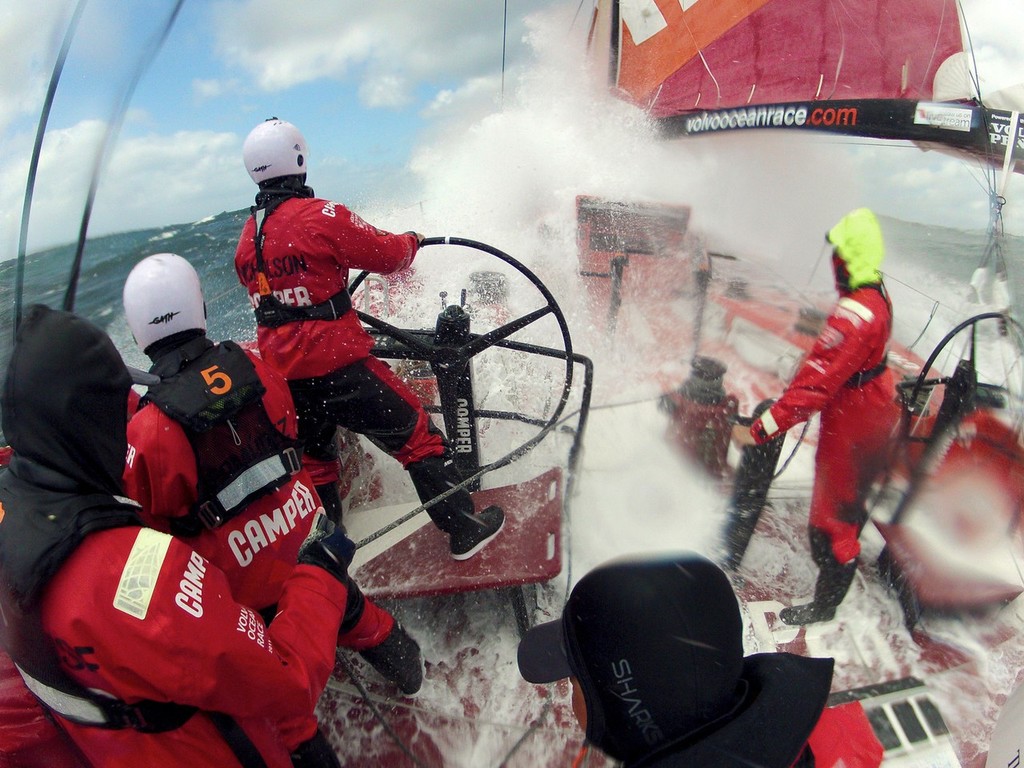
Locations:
{"points": [[134, 598], [310, 246], [854, 340], [843, 738], [857, 419], [256, 549]]}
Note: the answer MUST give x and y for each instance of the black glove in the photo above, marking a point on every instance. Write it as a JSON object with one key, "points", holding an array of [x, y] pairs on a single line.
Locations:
{"points": [[315, 753], [329, 548], [419, 238]]}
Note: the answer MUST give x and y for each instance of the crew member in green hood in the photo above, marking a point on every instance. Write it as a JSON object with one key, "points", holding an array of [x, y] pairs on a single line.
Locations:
{"points": [[844, 378]]}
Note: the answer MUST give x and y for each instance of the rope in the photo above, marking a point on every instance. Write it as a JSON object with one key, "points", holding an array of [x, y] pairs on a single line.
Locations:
{"points": [[527, 734], [358, 683]]}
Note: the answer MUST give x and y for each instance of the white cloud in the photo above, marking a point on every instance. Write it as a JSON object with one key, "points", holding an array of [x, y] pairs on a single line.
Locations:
{"points": [[282, 45], [388, 90], [30, 37], [995, 27], [150, 181], [208, 89]]}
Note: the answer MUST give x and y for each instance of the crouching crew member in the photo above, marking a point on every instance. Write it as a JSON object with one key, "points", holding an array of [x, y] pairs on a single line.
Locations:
{"points": [[213, 458], [131, 638]]}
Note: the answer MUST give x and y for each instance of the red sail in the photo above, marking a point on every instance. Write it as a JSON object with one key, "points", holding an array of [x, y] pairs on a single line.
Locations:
{"points": [[884, 69], [675, 56]]}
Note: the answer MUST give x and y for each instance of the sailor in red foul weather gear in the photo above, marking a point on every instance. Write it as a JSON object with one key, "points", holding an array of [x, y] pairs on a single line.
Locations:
{"points": [[212, 458], [294, 257], [131, 638], [846, 380]]}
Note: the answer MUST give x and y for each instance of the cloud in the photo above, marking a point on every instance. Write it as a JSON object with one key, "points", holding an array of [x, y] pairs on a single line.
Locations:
{"points": [[995, 28], [389, 51], [433, 68], [150, 180], [30, 37], [209, 89]]}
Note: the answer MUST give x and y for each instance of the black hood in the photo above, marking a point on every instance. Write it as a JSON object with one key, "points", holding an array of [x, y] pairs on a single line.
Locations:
{"points": [[65, 401], [786, 695]]}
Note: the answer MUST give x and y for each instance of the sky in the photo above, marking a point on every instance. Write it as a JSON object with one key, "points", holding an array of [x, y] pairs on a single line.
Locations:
{"points": [[384, 93]]}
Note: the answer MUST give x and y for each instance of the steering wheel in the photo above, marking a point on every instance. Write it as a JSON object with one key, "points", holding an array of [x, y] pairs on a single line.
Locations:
{"points": [[420, 344]]}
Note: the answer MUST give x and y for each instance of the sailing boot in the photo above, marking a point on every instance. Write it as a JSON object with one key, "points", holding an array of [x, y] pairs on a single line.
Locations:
{"points": [[468, 533], [834, 579], [375, 635], [329, 497]]}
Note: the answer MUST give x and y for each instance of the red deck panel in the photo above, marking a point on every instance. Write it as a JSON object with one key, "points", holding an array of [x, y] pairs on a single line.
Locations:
{"points": [[527, 551]]}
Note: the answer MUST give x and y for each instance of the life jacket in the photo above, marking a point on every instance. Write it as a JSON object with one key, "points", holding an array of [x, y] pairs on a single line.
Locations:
{"points": [[32, 554], [214, 392], [271, 312]]}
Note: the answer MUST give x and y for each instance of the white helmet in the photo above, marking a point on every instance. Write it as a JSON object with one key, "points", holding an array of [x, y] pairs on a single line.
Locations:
{"points": [[274, 148], [162, 296]]}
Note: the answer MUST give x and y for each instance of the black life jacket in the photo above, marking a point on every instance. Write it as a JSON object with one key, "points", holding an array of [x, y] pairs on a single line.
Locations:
{"points": [[271, 312], [35, 540], [214, 392]]}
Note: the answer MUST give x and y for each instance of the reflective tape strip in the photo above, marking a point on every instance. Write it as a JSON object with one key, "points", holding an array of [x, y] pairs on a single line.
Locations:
{"points": [[141, 571], [857, 308], [74, 708], [768, 423], [255, 478]]}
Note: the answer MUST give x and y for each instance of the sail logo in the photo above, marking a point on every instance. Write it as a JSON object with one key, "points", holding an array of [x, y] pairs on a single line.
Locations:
{"points": [[753, 117], [941, 116], [773, 116]]}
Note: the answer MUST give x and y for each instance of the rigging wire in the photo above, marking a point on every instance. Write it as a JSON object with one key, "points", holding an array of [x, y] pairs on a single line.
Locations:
{"points": [[504, 37], [113, 128], [37, 146]]}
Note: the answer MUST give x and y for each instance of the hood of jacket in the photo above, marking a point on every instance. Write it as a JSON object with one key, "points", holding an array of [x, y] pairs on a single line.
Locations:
{"points": [[786, 695], [65, 401], [858, 241]]}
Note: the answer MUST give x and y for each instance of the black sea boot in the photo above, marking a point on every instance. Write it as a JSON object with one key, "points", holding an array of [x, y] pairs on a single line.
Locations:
{"points": [[377, 636], [834, 579], [468, 532], [398, 659]]}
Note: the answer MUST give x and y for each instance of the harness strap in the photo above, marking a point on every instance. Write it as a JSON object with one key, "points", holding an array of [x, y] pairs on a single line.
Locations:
{"points": [[85, 707], [239, 743], [268, 474], [271, 312], [861, 378], [92, 709]]}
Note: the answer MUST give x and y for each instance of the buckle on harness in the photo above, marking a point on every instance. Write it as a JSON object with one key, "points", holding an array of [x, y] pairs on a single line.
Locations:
{"points": [[211, 514], [291, 460], [861, 378], [123, 715]]}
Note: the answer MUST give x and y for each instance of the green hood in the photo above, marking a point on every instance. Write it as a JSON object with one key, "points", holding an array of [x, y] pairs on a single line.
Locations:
{"points": [[857, 239]]}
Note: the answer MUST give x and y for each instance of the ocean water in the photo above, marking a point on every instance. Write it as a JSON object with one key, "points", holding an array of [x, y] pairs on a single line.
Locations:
{"points": [[934, 263]]}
